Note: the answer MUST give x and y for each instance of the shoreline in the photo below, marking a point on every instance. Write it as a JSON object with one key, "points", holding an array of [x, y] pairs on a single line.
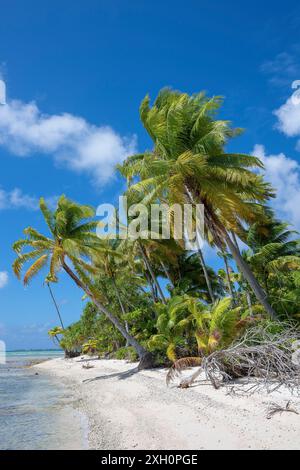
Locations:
{"points": [[127, 410]]}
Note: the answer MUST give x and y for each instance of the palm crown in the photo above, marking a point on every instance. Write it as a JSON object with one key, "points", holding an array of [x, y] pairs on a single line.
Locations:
{"points": [[189, 159], [188, 164], [70, 236]]}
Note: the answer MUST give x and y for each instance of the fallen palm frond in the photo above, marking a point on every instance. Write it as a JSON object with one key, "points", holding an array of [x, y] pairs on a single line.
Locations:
{"points": [[87, 366], [180, 365], [264, 358], [275, 408]]}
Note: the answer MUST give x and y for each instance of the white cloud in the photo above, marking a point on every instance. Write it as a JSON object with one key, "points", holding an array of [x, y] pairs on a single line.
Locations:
{"points": [[283, 68], [71, 140], [289, 118], [3, 279], [16, 199], [284, 175]]}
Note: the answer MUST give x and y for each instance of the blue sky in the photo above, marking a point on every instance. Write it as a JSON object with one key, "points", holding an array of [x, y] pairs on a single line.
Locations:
{"points": [[75, 74]]}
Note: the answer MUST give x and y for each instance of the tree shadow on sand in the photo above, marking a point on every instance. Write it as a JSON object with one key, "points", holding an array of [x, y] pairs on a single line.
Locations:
{"points": [[119, 375]]}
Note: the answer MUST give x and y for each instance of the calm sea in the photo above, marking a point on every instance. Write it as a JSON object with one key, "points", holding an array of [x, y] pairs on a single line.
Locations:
{"points": [[36, 411]]}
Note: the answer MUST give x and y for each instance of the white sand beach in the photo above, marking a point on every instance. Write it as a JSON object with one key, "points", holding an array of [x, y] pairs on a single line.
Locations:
{"points": [[136, 410]]}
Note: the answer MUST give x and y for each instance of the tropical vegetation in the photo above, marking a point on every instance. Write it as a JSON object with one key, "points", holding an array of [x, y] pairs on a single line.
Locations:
{"points": [[151, 299]]}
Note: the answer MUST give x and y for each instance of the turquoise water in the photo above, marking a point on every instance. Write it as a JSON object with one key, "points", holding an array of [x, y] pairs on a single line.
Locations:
{"points": [[37, 411]]}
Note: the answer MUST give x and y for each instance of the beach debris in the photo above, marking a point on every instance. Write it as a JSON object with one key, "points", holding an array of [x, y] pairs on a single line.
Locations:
{"points": [[274, 408], [87, 366], [261, 358], [180, 365]]}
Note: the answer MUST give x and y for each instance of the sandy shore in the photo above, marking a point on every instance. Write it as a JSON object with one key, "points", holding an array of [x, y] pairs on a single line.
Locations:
{"points": [[130, 410]]}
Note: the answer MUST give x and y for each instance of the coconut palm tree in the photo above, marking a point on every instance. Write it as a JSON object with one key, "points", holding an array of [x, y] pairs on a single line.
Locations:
{"points": [[54, 332], [274, 257], [227, 256], [68, 247], [212, 326], [55, 305], [189, 165]]}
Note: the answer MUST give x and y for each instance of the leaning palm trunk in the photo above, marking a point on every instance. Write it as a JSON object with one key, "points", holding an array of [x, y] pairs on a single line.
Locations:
{"points": [[200, 254], [166, 273], [248, 297], [121, 305], [148, 266], [221, 235], [149, 280], [228, 278], [248, 275], [207, 280], [118, 296], [146, 360], [56, 306]]}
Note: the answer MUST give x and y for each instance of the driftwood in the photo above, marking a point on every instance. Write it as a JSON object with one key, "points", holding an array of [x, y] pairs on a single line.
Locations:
{"points": [[274, 408], [264, 358]]}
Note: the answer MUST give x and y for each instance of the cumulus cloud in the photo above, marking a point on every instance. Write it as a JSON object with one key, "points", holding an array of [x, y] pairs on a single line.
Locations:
{"points": [[16, 199], [3, 279], [288, 116], [284, 175], [71, 140]]}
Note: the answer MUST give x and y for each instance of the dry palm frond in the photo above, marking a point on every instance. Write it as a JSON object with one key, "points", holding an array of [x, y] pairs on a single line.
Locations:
{"points": [[266, 359], [275, 408], [87, 366], [260, 355], [180, 365]]}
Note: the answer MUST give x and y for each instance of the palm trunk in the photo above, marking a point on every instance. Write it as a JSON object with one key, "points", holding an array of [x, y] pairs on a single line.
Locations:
{"points": [[56, 306], [207, 280], [249, 303], [121, 305], [166, 273], [235, 241], [118, 296], [155, 281], [228, 277], [151, 287], [146, 360], [200, 254], [248, 275]]}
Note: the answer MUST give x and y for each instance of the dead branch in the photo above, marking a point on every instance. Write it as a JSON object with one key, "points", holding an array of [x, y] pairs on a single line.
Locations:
{"points": [[274, 408], [264, 358]]}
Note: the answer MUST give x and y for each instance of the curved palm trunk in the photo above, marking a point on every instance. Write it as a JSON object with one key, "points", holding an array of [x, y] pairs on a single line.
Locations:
{"points": [[248, 275], [155, 281], [118, 296], [146, 359], [235, 241], [121, 305], [249, 303], [56, 306], [200, 254], [151, 287], [166, 273], [207, 280], [228, 277]]}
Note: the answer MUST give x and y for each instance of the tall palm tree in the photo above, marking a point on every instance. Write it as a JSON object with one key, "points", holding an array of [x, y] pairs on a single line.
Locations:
{"points": [[226, 256], [273, 249], [189, 164], [55, 305], [71, 240], [54, 332]]}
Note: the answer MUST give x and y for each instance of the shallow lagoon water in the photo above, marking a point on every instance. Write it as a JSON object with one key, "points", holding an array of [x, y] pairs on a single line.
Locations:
{"points": [[36, 411]]}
